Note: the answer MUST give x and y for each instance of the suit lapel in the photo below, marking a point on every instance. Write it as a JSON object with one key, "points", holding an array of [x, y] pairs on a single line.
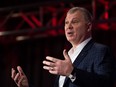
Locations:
{"points": [[57, 81], [80, 57], [83, 53]]}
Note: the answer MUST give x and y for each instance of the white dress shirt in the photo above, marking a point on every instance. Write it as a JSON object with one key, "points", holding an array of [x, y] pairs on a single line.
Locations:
{"points": [[73, 53]]}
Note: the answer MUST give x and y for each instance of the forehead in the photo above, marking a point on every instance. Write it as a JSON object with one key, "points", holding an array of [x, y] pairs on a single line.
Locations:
{"points": [[77, 14]]}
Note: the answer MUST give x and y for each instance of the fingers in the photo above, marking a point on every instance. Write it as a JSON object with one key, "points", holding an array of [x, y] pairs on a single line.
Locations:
{"points": [[19, 78], [66, 56], [48, 68], [57, 66], [52, 70], [20, 70], [51, 59], [20, 81], [16, 78], [13, 73], [48, 63]]}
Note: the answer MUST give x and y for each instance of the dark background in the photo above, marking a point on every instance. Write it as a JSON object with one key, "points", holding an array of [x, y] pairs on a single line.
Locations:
{"points": [[38, 41]]}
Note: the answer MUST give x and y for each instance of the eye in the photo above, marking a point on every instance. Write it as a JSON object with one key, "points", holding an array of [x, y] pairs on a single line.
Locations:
{"points": [[66, 22], [75, 21]]}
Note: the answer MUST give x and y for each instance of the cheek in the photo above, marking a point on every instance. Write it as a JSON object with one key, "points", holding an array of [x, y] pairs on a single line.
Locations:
{"points": [[80, 31], [64, 28], [83, 28], [77, 30]]}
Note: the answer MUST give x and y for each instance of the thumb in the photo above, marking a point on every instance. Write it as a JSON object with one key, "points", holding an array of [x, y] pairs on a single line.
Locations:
{"points": [[65, 54], [20, 70]]}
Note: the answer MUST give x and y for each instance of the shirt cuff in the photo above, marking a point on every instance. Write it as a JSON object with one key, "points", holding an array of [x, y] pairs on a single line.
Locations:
{"points": [[72, 76]]}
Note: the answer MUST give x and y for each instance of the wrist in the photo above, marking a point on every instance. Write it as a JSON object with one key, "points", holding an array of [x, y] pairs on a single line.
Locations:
{"points": [[70, 71], [72, 76]]}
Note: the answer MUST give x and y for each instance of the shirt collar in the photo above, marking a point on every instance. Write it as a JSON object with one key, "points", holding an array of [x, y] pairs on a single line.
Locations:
{"points": [[81, 45]]}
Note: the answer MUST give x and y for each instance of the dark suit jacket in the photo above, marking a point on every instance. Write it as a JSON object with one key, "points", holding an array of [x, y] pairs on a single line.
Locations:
{"points": [[94, 67]]}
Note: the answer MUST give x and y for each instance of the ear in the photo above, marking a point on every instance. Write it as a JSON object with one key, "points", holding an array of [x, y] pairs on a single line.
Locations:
{"points": [[89, 27]]}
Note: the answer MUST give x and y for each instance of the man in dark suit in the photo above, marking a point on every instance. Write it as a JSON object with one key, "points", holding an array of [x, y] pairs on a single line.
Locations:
{"points": [[86, 64]]}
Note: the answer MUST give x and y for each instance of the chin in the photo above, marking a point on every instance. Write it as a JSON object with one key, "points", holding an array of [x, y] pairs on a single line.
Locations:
{"points": [[70, 39]]}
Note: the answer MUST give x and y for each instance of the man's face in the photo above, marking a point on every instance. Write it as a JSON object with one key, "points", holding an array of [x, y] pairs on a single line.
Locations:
{"points": [[76, 27]]}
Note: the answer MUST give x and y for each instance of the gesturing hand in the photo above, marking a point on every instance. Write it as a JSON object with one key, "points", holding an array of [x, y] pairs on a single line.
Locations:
{"points": [[57, 66], [20, 77]]}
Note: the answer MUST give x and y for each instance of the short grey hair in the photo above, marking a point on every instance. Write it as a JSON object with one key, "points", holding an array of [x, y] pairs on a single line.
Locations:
{"points": [[88, 16]]}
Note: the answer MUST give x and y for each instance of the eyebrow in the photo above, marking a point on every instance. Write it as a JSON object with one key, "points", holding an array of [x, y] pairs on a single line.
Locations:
{"points": [[73, 19]]}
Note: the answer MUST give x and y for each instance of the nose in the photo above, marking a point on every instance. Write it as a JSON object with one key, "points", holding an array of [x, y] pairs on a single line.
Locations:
{"points": [[69, 26]]}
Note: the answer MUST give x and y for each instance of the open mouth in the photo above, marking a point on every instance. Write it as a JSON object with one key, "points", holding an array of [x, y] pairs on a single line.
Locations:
{"points": [[69, 33]]}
